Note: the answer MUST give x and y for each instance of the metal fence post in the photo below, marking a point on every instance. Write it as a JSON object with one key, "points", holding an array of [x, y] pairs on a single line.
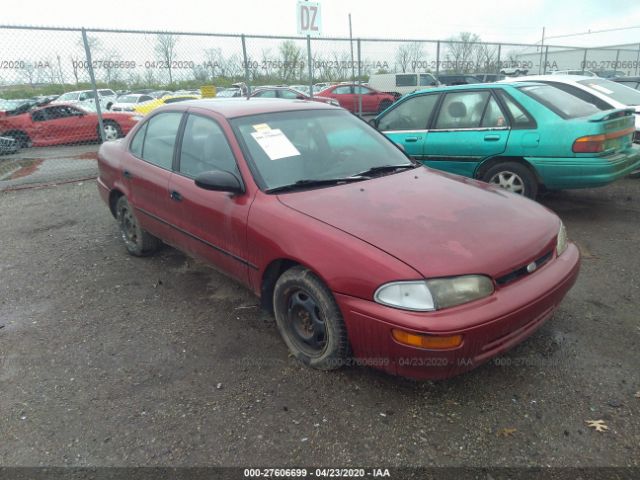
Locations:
{"points": [[246, 65], [546, 56], [309, 61], [498, 67], [87, 52], [584, 59], [359, 80], [615, 66], [637, 59], [438, 58]]}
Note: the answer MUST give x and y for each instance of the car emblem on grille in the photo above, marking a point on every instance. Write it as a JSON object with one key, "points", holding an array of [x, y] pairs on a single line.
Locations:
{"points": [[532, 267]]}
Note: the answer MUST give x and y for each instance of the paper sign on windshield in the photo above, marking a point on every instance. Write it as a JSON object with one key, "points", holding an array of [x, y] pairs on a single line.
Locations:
{"points": [[275, 144]]}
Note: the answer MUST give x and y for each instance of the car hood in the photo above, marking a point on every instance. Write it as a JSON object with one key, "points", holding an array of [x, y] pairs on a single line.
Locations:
{"points": [[437, 223]]}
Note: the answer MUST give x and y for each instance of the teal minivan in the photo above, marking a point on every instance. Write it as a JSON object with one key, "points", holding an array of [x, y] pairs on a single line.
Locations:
{"points": [[523, 137]]}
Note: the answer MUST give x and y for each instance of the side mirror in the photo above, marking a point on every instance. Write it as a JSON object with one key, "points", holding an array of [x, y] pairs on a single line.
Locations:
{"points": [[374, 123], [219, 181]]}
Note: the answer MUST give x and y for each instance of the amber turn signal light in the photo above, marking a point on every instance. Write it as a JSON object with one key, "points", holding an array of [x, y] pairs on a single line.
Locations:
{"points": [[432, 342]]}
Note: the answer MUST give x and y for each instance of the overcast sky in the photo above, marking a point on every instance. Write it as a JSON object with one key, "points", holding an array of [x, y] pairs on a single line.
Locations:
{"points": [[493, 20]]}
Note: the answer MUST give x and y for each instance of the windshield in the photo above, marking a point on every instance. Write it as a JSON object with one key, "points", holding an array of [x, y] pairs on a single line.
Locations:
{"points": [[68, 96], [128, 99], [228, 93], [560, 102], [287, 147], [613, 90]]}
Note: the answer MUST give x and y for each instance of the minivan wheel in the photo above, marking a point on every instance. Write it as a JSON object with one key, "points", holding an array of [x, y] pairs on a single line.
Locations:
{"points": [[309, 320], [138, 241], [514, 177]]}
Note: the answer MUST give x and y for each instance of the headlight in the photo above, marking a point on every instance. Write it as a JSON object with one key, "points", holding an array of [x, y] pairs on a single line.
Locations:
{"points": [[561, 243], [406, 295], [434, 294]]}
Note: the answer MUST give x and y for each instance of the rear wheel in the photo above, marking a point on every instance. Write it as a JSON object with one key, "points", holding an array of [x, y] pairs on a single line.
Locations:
{"points": [[514, 177], [138, 241], [112, 131], [309, 320]]}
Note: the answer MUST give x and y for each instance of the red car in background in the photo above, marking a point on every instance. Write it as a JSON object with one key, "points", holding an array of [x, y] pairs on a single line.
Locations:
{"points": [[348, 95], [357, 250], [289, 93], [64, 123]]}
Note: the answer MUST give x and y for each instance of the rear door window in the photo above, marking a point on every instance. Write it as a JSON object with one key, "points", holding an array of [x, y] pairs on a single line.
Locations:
{"points": [[160, 139]]}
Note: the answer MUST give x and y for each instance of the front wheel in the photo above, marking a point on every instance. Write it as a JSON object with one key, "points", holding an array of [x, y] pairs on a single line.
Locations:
{"points": [[513, 177], [138, 241], [309, 320]]}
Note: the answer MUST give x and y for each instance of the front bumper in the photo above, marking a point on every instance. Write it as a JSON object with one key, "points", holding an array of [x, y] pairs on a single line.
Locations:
{"points": [[585, 172], [489, 326]]}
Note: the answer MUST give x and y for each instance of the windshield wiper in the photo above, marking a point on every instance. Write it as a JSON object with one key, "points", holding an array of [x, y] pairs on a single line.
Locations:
{"points": [[385, 168], [315, 183]]}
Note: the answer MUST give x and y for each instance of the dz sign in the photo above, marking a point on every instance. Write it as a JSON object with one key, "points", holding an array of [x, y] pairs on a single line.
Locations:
{"points": [[308, 18]]}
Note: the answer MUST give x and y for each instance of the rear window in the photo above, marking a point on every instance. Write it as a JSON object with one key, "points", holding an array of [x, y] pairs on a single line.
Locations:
{"points": [[559, 101], [613, 90]]}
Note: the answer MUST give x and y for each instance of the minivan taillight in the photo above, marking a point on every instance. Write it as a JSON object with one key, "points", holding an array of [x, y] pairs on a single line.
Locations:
{"points": [[589, 144]]}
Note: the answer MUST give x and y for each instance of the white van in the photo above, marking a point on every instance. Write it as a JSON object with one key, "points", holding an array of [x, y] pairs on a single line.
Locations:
{"points": [[399, 84]]}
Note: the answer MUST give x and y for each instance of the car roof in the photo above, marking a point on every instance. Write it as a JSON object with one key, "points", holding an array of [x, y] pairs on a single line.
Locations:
{"points": [[474, 86], [241, 106], [554, 78]]}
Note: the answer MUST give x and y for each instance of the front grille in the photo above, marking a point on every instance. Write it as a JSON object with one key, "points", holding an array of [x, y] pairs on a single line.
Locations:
{"points": [[521, 272]]}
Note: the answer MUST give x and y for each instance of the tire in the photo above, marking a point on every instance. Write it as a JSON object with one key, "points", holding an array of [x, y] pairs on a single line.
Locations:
{"points": [[112, 131], [384, 104], [109, 105], [137, 241], [514, 177], [21, 138], [309, 320]]}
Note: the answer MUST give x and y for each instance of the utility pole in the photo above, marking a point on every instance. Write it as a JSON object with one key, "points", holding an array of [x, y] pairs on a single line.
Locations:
{"points": [[353, 67], [541, 50]]}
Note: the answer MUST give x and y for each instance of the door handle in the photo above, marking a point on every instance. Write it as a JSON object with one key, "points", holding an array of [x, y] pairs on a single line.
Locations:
{"points": [[176, 196], [491, 138], [412, 139], [127, 174]]}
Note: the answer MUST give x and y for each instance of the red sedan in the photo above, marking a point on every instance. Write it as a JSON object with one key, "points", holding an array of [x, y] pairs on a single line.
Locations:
{"points": [[361, 254], [289, 93], [349, 97], [64, 123]]}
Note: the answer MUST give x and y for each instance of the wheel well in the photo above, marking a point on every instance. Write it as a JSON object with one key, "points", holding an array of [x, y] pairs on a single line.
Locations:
{"points": [[487, 164], [16, 133], [269, 279], [114, 196]]}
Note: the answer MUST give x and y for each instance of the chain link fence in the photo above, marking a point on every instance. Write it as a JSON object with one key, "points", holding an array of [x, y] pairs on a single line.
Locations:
{"points": [[63, 91]]}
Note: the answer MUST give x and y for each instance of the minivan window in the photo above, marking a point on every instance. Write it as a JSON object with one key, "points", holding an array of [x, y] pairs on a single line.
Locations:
{"points": [[406, 80]]}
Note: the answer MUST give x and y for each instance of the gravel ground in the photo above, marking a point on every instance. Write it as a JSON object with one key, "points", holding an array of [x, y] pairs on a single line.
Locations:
{"points": [[106, 359]]}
